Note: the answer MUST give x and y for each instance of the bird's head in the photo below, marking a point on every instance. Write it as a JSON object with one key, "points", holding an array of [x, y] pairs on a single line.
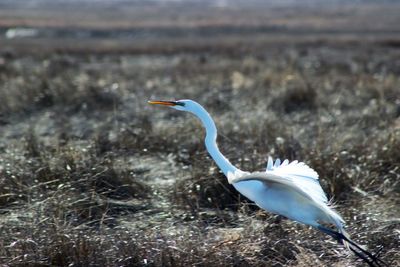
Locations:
{"points": [[183, 105], [190, 106]]}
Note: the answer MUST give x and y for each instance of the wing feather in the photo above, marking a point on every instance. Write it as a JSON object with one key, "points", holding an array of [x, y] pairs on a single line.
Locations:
{"points": [[298, 173], [270, 164], [269, 179], [277, 163]]}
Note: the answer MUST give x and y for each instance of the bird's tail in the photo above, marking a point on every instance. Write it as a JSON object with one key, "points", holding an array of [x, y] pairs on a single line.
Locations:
{"points": [[343, 238]]}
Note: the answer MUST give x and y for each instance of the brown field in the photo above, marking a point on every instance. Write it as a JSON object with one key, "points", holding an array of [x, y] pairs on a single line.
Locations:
{"points": [[91, 175]]}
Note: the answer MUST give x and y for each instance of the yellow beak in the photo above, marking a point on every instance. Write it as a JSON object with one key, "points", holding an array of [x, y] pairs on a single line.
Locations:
{"points": [[161, 102]]}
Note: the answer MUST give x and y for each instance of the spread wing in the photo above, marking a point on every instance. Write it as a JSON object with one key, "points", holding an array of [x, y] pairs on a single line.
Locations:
{"points": [[296, 174]]}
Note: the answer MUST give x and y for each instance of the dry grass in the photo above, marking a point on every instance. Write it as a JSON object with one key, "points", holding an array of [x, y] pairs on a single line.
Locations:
{"points": [[90, 175]]}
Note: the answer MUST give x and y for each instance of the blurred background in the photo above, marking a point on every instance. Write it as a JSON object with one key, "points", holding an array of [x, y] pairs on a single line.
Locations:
{"points": [[133, 25], [91, 175], [120, 24]]}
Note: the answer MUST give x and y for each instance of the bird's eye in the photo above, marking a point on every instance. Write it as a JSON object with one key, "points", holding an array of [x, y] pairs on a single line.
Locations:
{"points": [[180, 103]]}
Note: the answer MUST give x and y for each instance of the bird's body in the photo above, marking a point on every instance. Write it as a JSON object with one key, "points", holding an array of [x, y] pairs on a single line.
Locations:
{"points": [[279, 198], [288, 189], [278, 190]]}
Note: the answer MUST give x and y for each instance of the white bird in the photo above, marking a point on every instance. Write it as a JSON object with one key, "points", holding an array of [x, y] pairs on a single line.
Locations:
{"points": [[288, 189]]}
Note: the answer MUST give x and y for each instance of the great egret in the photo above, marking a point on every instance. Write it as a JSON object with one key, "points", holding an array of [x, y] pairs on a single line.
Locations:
{"points": [[288, 189]]}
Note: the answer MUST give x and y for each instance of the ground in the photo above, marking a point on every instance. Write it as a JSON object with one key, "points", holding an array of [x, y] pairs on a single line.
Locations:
{"points": [[91, 175]]}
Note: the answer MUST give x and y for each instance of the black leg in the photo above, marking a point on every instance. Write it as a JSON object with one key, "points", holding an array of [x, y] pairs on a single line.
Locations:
{"points": [[354, 247]]}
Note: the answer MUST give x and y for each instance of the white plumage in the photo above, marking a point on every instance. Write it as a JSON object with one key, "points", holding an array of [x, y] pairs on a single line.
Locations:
{"points": [[289, 189], [301, 175]]}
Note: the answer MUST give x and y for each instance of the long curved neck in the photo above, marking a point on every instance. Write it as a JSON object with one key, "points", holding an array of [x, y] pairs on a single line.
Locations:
{"points": [[211, 141]]}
